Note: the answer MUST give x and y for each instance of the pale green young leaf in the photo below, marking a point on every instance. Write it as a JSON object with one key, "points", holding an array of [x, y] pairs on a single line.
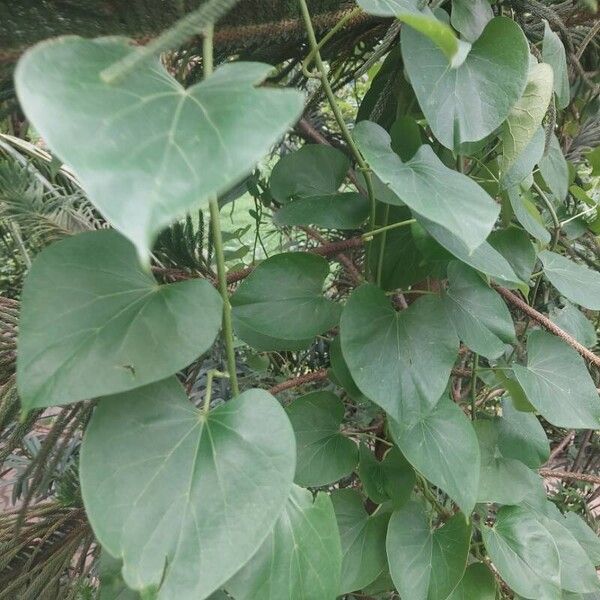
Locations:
{"points": [[442, 195], [443, 447], [324, 454], [145, 149], [399, 360], [301, 557], [425, 564], [94, 323], [553, 53], [556, 381], [574, 281], [363, 540], [478, 583], [468, 103], [183, 498]]}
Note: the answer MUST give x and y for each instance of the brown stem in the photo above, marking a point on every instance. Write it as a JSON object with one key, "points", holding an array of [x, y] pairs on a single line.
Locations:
{"points": [[319, 375], [547, 324], [570, 475]]}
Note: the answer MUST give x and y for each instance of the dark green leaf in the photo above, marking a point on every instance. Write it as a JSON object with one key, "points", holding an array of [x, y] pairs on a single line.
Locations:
{"points": [[283, 299], [470, 17], [446, 197], [363, 540], [479, 315], [574, 322], [314, 170], [112, 586], [425, 564], [336, 211], [185, 498], [399, 360], [300, 559], [443, 447], [576, 282], [522, 166], [516, 247], [555, 171], [556, 381], [528, 215], [94, 323], [406, 137], [145, 149], [468, 103], [478, 583], [553, 53], [324, 454], [340, 372]]}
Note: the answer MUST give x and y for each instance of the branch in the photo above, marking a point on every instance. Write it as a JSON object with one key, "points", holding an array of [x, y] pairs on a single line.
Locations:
{"points": [[594, 479], [319, 375], [547, 324]]}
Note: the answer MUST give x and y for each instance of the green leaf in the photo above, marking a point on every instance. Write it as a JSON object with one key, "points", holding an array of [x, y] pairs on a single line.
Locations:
{"points": [[443, 447], [301, 557], [502, 479], [556, 381], [324, 455], [391, 479], [340, 372], [520, 436], [479, 315], [553, 53], [528, 215], [363, 540], [283, 299], [390, 8], [593, 157], [145, 149], [425, 564], [468, 103], [478, 583], [94, 323], [336, 211], [484, 258], [112, 586], [575, 323], [516, 247], [524, 553], [446, 197], [405, 137], [470, 17], [526, 115], [576, 282], [313, 170], [185, 498], [587, 538], [522, 166], [399, 360], [555, 171]]}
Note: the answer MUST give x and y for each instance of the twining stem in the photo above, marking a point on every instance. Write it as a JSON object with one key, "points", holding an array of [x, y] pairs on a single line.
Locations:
{"points": [[337, 113], [208, 392], [370, 234], [553, 215], [386, 219], [474, 385], [207, 55]]}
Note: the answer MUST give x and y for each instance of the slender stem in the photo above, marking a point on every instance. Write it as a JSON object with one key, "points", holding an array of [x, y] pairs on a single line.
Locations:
{"points": [[207, 50], [587, 211], [474, 385], [208, 392], [552, 212], [386, 217], [370, 234], [337, 113]]}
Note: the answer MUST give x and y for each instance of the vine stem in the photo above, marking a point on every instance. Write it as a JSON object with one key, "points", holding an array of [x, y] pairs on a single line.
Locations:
{"points": [[553, 215], [207, 56], [370, 234], [337, 113]]}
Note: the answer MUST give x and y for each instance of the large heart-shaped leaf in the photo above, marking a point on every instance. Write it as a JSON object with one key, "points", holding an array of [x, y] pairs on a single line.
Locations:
{"points": [[467, 103], [300, 559], [399, 360], [363, 540], [425, 564], [470, 17], [145, 149], [478, 582], [325, 455], [185, 498], [94, 323], [283, 299], [478, 313], [556, 381], [446, 197], [576, 282], [443, 446]]}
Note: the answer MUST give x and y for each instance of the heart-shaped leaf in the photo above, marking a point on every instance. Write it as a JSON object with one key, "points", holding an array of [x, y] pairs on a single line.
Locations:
{"points": [[441, 195], [576, 282], [528, 215], [470, 17], [556, 381], [584, 534], [325, 455], [112, 586], [553, 53], [555, 170], [399, 360], [94, 323], [145, 149], [363, 540], [479, 315], [300, 559], [467, 103], [425, 564], [516, 247], [443, 446], [521, 168], [478, 582], [185, 498], [283, 299], [574, 322]]}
